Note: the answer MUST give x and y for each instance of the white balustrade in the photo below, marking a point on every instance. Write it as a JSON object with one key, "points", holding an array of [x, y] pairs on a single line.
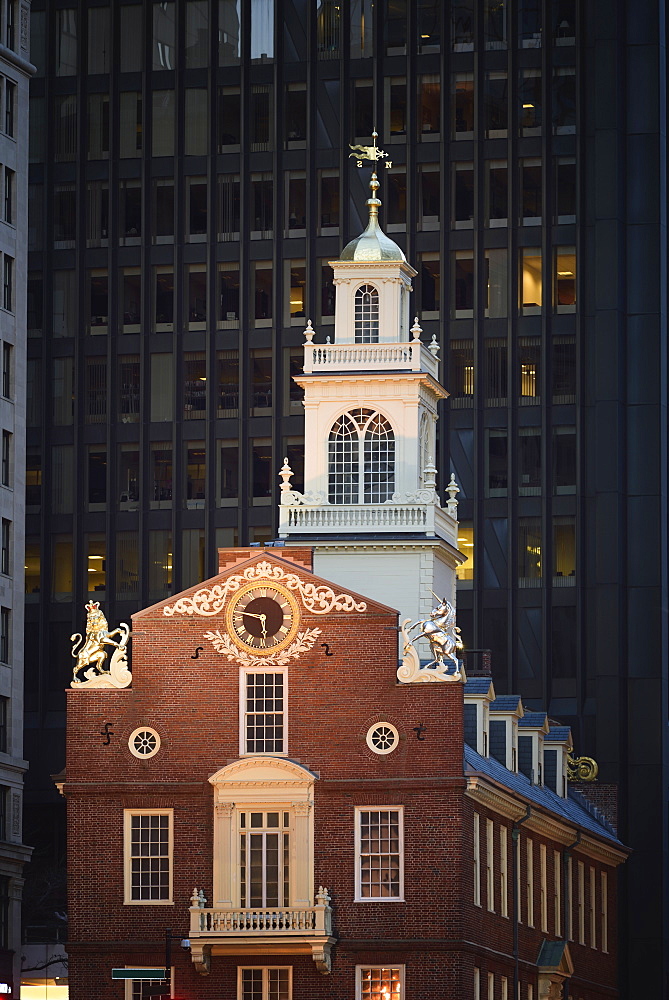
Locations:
{"points": [[412, 356], [297, 519], [284, 921]]}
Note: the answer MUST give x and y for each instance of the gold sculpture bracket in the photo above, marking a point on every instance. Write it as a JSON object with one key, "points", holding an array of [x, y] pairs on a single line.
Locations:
{"points": [[372, 153], [581, 768], [91, 655]]}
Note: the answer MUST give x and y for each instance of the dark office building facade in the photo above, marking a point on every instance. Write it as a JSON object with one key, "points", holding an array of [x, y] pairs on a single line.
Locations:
{"points": [[190, 180]]}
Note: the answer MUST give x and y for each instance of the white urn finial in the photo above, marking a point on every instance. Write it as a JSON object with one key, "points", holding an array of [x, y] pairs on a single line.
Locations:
{"points": [[452, 489], [285, 473], [430, 475], [433, 347], [309, 332], [416, 329]]}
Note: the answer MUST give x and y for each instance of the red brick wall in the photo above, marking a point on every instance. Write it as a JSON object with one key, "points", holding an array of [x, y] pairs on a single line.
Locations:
{"points": [[332, 701]]}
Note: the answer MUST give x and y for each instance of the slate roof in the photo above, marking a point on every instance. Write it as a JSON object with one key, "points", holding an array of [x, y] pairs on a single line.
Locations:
{"points": [[505, 703], [558, 734], [478, 685], [532, 719], [569, 809]]}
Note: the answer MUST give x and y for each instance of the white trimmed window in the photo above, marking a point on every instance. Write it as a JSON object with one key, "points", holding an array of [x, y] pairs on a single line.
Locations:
{"points": [[262, 711], [263, 835], [529, 861], [605, 911], [379, 851], [361, 440], [264, 983], [503, 870], [138, 989], [557, 892], [264, 858], [593, 909], [490, 863], [477, 859], [543, 888], [367, 315], [581, 902], [148, 850], [379, 982]]}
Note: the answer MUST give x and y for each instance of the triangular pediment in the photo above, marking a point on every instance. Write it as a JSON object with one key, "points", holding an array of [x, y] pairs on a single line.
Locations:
{"points": [[315, 594]]}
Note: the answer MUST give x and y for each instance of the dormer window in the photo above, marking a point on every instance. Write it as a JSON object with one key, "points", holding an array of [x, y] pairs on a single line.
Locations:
{"points": [[361, 459], [367, 315]]}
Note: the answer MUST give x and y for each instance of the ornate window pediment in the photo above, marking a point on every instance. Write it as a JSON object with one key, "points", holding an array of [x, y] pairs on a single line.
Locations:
{"points": [[263, 802]]}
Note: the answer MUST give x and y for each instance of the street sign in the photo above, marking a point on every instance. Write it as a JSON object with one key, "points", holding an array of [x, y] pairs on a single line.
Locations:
{"points": [[138, 974]]}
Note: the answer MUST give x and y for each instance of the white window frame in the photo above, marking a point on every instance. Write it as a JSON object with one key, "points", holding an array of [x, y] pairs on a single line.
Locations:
{"points": [[557, 892], [265, 969], [490, 865], [604, 903], [593, 908], [128, 815], [529, 862], [262, 783], [359, 898], [581, 902], [244, 673], [130, 983], [503, 870], [477, 859], [361, 969], [366, 308], [543, 888]]}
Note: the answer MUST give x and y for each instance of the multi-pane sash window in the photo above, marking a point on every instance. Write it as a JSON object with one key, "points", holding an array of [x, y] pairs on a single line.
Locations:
{"points": [[366, 315], [264, 859], [264, 984], [379, 983], [379, 850], [148, 840], [263, 712], [358, 439]]}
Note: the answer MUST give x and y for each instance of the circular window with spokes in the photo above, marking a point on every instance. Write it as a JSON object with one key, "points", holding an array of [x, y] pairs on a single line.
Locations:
{"points": [[382, 737], [144, 743]]}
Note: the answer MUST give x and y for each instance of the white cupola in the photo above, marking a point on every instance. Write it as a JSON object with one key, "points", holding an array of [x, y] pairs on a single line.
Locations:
{"points": [[370, 507]]}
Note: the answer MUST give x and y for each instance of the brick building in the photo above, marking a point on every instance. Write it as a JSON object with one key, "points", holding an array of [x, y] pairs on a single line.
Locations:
{"points": [[270, 788], [314, 827]]}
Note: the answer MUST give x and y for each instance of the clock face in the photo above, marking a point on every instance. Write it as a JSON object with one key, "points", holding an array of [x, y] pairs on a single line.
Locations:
{"points": [[262, 618]]}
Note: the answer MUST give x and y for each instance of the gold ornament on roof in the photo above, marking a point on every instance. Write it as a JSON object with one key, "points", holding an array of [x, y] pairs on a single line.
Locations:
{"points": [[372, 153], [90, 652], [581, 768]]}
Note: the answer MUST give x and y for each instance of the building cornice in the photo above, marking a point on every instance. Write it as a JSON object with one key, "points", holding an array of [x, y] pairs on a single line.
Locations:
{"points": [[488, 793], [423, 378]]}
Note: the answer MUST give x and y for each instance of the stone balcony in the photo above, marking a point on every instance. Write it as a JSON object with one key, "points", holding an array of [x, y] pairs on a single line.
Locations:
{"points": [[286, 930], [298, 516], [412, 356]]}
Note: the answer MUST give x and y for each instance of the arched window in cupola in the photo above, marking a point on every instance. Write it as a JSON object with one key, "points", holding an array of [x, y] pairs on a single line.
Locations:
{"points": [[367, 315], [361, 459]]}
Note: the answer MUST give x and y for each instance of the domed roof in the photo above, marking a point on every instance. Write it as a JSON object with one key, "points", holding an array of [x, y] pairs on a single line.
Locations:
{"points": [[373, 244]]}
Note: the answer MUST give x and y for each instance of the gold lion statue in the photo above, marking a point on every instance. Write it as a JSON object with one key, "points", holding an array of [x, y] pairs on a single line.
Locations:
{"points": [[92, 654]]}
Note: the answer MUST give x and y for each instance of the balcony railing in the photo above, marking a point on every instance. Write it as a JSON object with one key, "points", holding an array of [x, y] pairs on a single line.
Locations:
{"points": [[238, 930], [412, 356], [386, 518]]}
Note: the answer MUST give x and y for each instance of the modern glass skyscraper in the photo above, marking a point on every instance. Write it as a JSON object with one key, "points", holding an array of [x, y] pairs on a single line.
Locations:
{"points": [[190, 180]]}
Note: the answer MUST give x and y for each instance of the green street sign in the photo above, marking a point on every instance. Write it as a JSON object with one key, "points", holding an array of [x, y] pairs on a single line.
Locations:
{"points": [[138, 973]]}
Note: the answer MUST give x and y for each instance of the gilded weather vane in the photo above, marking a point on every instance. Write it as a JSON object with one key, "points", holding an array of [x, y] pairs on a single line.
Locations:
{"points": [[373, 153]]}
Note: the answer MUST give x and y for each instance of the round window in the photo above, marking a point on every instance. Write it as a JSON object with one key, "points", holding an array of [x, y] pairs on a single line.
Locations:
{"points": [[382, 737], [144, 743]]}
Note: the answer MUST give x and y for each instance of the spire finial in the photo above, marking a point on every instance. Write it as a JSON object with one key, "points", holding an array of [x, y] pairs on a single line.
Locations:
{"points": [[452, 489], [285, 473]]}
